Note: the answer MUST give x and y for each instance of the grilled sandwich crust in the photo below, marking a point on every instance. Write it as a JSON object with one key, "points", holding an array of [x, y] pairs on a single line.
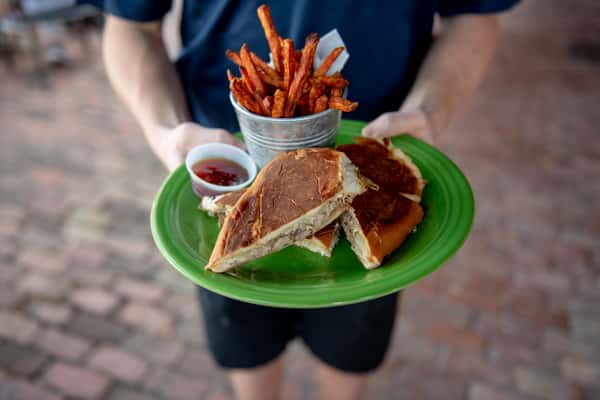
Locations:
{"points": [[381, 218], [294, 196]]}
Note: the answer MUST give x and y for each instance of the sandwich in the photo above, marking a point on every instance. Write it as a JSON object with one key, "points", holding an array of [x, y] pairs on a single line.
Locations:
{"points": [[321, 242], [383, 216], [294, 196]]}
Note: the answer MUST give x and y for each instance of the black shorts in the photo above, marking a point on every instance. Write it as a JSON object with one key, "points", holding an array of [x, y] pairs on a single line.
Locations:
{"points": [[352, 338]]}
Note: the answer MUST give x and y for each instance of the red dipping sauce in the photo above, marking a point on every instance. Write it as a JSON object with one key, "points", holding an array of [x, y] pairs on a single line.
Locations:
{"points": [[220, 171]]}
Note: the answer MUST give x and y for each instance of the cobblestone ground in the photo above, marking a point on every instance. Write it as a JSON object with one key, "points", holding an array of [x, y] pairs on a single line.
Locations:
{"points": [[88, 309]]}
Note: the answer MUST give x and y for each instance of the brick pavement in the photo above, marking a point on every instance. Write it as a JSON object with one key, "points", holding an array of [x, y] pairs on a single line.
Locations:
{"points": [[84, 294]]}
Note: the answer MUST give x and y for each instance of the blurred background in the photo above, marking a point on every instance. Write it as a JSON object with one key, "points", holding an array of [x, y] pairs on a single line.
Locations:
{"points": [[89, 309]]}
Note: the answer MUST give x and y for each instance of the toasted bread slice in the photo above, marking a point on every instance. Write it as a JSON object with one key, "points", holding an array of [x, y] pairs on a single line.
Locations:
{"points": [[294, 196], [381, 218], [321, 242]]}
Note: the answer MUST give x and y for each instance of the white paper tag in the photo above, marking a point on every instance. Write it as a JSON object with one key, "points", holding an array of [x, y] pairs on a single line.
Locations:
{"points": [[328, 42]]}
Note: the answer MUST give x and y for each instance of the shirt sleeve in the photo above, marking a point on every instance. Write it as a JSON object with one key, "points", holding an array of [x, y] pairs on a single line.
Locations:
{"points": [[449, 8], [135, 10]]}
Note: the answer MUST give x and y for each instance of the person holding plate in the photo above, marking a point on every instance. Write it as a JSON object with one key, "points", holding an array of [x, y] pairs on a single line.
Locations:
{"points": [[405, 79]]}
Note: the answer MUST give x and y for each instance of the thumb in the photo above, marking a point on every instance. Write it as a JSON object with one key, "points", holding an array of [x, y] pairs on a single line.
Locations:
{"points": [[392, 124]]}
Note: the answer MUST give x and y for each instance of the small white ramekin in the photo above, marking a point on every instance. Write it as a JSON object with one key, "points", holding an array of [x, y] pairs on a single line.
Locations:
{"points": [[218, 150]]}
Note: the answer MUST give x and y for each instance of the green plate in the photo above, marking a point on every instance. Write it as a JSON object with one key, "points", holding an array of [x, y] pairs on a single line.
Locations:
{"points": [[295, 277]]}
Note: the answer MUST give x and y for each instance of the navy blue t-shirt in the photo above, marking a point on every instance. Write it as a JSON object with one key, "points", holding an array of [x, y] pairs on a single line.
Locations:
{"points": [[387, 43]]}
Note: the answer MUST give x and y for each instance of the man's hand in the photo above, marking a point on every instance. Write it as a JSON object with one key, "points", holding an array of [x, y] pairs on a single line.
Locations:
{"points": [[175, 144], [416, 123]]}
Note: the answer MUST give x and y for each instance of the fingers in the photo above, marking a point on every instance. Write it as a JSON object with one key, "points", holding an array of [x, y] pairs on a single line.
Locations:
{"points": [[193, 135], [173, 163], [391, 124], [395, 123]]}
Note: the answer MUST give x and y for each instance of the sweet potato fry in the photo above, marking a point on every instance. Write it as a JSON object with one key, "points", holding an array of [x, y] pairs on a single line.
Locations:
{"points": [[326, 64], [289, 63], [266, 68], [252, 90], [278, 104], [232, 80], [298, 56], [339, 103], [249, 104], [246, 79], [264, 15], [230, 76], [316, 91], [332, 81], [302, 105], [253, 76], [234, 57], [321, 104], [269, 80], [302, 73], [336, 92], [244, 97], [268, 104], [307, 86], [261, 103]]}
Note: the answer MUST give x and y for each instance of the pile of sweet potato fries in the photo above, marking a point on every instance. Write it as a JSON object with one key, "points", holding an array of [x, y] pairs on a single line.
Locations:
{"points": [[290, 88]]}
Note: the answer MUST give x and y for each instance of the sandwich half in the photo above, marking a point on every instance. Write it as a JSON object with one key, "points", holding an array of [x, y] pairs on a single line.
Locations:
{"points": [[383, 216], [321, 242], [294, 196]]}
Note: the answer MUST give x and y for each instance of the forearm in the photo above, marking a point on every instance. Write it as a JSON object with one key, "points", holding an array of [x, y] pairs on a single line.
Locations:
{"points": [[453, 67], [143, 76]]}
